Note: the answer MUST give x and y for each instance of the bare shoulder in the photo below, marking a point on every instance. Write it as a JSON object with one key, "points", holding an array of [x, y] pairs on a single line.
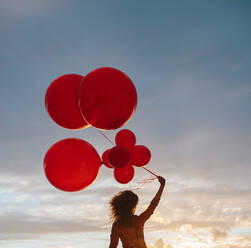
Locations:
{"points": [[137, 218]]}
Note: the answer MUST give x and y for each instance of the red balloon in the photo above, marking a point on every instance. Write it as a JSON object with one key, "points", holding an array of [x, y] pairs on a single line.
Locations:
{"points": [[71, 164], [125, 138], [107, 98], [105, 159], [61, 102], [118, 156], [124, 175], [140, 155]]}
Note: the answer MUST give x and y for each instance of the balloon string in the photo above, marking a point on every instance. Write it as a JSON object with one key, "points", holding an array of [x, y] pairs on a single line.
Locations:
{"points": [[146, 181], [150, 171], [106, 137], [115, 132], [149, 179]]}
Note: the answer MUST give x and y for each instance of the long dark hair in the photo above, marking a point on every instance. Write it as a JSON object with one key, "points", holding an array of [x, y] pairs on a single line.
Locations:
{"points": [[122, 205]]}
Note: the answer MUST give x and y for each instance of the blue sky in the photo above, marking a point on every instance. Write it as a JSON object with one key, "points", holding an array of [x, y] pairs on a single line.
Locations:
{"points": [[190, 62]]}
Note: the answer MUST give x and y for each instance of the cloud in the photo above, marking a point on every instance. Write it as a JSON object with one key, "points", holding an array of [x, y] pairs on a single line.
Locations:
{"points": [[169, 246], [209, 154], [159, 243], [185, 207], [24, 224], [196, 209], [218, 234]]}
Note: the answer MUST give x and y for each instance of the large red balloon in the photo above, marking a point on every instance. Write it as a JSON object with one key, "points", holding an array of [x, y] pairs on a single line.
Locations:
{"points": [[125, 174], [71, 164], [61, 102], [125, 138], [140, 155], [107, 98], [118, 156], [105, 159]]}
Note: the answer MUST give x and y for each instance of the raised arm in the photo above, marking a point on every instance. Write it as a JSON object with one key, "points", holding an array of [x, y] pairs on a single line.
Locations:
{"points": [[114, 237], [154, 203]]}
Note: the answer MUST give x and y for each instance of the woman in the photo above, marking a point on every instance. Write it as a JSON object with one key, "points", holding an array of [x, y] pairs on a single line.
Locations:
{"points": [[127, 226]]}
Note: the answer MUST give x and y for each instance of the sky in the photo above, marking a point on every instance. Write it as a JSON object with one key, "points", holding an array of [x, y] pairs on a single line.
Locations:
{"points": [[190, 62]]}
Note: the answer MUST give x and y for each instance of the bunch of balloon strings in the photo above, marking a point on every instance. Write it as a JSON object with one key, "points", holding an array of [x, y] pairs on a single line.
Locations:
{"points": [[105, 99]]}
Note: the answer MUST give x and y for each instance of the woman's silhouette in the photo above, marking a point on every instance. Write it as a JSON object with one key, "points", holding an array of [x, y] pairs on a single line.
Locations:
{"points": [[127, 227]]}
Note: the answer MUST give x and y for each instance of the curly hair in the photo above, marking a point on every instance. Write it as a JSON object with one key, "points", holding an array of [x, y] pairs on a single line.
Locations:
{"points": [[122, 205]]}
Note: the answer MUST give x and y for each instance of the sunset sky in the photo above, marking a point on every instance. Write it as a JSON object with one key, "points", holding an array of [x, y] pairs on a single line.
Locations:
{"points": [[190, 61]]}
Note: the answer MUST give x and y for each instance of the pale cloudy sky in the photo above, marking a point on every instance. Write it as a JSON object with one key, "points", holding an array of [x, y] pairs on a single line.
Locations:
{"points": [[190, 62]]}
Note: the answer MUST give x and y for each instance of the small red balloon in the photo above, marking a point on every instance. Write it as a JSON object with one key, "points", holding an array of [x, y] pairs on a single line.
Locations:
{"points": [[124, 175], [105, 159], [118, 156], [71, 164], [107, 98], [61, 102], [125, 138], [140, 155]]}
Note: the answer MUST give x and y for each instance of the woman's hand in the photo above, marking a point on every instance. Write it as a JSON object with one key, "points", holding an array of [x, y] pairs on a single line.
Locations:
{"points": [[162, 180]]}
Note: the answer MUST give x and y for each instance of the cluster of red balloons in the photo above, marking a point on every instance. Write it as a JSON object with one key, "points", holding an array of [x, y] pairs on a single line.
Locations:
{"points": [[124, 155], [106, 99]]}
